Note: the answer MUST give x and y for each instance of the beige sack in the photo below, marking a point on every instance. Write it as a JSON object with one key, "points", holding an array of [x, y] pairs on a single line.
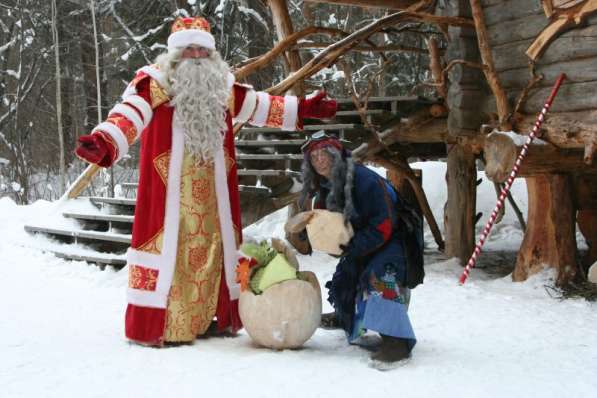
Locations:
{"points": [[285, 315], [327, 231], [592, 274]]}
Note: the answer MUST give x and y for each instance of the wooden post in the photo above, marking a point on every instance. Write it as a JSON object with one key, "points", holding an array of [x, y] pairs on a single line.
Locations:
{"points": [[550, 235], [587, 224], [459, 217], [284, 28]]}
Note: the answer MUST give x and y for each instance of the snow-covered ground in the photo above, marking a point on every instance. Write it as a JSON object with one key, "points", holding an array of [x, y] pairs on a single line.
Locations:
{"points": [[62, 330]]}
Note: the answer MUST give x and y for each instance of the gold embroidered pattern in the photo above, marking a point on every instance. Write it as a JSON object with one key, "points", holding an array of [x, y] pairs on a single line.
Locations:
{"points": [[158, 94], [125, 125], [161, 164], [154, 244], [193, 296], [142, 278], [190, 23], [276, 112]]}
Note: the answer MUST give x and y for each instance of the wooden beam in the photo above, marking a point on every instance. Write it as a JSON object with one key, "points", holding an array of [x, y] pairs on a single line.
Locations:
{"points": [[561, 21], [330, 55], [284, 29], [388, 4], [501, 151], [389, 48]]}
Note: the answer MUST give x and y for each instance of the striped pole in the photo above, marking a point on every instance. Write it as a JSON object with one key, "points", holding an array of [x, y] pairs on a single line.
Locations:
{"points": [[513, 173]]}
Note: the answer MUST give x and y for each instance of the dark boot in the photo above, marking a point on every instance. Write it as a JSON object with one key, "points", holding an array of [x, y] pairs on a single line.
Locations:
{"points": [[329, 321], [392, 349]]}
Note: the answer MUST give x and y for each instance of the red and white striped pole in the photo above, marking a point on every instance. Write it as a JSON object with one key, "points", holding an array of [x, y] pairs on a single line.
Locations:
{"points": [[513, 173]]}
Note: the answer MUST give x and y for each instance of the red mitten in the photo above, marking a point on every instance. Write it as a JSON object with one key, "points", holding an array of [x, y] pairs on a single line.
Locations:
{"points": [[93, 148], [317, 107]]}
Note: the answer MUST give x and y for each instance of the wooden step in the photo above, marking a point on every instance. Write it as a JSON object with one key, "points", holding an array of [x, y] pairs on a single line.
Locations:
{"points": [[104, 236], [267, 143], [356, 113], [308, 128], [273, 156], [129, 185], [268, 173], [264, 191], [99, 258], [397, 98], [100, 217], [112, 201]]}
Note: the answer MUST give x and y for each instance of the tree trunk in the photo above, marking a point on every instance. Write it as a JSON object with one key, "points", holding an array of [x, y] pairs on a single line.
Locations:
{"points": [[460, 211], [58, 99], [549, 239]]}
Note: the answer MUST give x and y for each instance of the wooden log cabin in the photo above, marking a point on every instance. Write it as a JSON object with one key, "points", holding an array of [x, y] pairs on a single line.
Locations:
{"points": [[500, 69]]}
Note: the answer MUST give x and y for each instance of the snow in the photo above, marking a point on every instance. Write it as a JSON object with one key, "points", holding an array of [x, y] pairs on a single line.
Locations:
{"points": [[62, 329], [519, 139]]}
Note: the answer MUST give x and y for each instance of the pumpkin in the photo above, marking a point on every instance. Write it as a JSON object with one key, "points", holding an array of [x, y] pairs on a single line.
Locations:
{"points": [[285, 315]]}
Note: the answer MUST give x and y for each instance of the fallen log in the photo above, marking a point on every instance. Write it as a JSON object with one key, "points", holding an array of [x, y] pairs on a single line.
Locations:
{"points": [[501, 150]]}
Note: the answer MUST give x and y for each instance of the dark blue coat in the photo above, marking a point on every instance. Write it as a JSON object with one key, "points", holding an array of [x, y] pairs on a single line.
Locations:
{"points": [[376, 244]]}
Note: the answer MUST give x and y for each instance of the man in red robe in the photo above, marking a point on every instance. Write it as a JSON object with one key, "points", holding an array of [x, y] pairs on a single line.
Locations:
{"points": [[187, 218]]}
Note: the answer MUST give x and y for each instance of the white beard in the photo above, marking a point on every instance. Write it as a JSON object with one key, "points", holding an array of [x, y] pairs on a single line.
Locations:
{"points": [[200, 90]]}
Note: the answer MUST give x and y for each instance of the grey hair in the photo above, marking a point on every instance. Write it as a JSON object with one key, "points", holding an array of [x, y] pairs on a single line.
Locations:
{"points": [[166, 63], [340, 197]]}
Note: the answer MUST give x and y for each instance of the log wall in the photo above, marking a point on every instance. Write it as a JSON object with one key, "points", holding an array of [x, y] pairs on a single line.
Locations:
{"points": [[512, 26]]}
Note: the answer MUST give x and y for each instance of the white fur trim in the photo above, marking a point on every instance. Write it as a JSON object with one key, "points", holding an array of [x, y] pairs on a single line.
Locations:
{"points": [[130, 90], [166, 261], [226, 227], [263, 104], [230, 80], [143, 107], [131, 114], [184, 38], [153, 72], [114, 131], [247, 108], [290, 113]]}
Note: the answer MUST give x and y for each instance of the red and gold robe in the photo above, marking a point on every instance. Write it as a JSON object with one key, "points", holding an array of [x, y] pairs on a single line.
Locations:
{"points": [[187, 219]]}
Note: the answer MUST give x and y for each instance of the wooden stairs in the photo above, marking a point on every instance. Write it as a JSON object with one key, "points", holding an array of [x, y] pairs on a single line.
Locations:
{"points": [[269, 163]]}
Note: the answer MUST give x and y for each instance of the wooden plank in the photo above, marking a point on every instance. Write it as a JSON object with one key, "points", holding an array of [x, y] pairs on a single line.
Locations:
{"points": [[100, 217], [268, 173], [279, 156], [510, 10], [264, 143], [308, 127], [577, 70], [571, 97], [574, 44], [398, 98], [120, 238], [265, 191], [109, 260], [113, 201], [356, 113], [525, 28]]}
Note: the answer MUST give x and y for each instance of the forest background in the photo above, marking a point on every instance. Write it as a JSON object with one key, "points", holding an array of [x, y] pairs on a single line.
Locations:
{"points": [[93, 48]]}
